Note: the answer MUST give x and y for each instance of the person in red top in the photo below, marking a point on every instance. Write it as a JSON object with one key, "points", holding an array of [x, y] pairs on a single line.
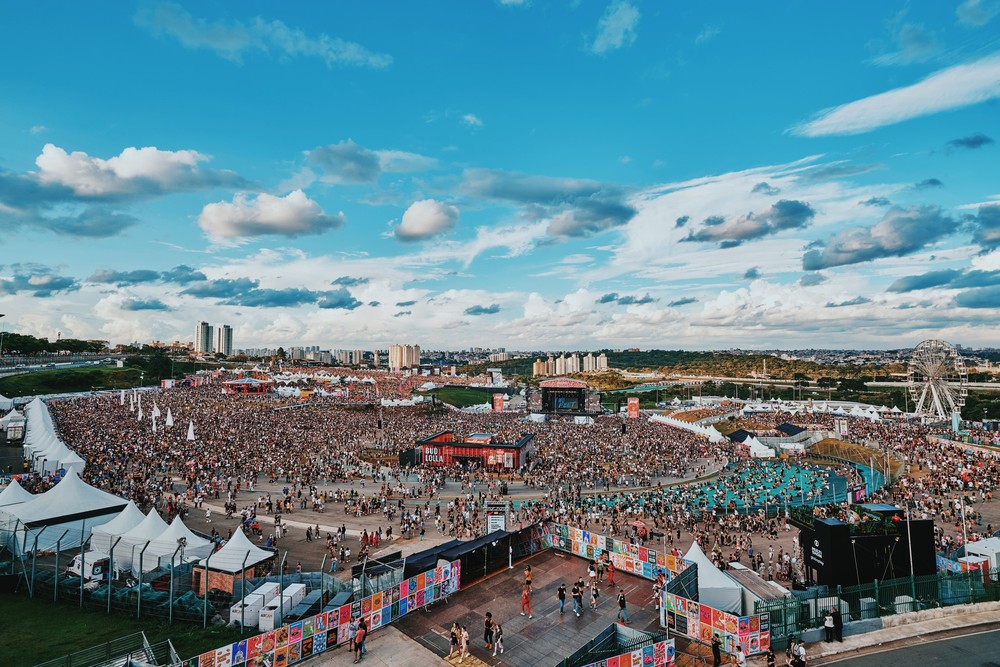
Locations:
{"points": [[526, 601], [611, 574], [359, 640]]}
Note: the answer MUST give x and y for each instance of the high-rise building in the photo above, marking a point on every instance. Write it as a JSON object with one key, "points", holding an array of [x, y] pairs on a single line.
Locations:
{"points": [[224, 340], [602, 362], [403, 356], [589, 363], [203, 338]]}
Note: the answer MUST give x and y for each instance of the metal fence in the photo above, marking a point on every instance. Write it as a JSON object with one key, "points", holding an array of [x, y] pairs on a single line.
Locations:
{"points": [[119, 652], [805, 610], [164, 588]]}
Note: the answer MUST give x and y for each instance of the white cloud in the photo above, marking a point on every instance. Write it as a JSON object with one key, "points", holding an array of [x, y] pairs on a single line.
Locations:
{"points": [[231, 39], [38, 129], [246, 216], [977, 13], [135, 169], [707, 33], [950, 88], [616, 28], [426, 218], [402, 161], [472, 120]]}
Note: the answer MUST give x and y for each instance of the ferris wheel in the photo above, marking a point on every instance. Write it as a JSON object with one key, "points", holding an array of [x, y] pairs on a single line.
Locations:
{"points": [[937, 380]]}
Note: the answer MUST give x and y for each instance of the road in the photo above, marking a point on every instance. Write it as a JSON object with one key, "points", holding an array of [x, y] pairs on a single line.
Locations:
{"points": [[979, 649]]}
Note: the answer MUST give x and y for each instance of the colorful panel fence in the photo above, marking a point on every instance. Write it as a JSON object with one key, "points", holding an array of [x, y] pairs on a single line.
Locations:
{"points": [[297, 641], [627, 557], [659, 654], [699, 621]]}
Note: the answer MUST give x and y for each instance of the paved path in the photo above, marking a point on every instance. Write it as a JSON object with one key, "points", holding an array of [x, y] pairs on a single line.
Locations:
{"points": [[977, 649]]}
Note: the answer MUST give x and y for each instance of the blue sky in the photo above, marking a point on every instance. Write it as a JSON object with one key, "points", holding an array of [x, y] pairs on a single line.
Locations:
{"points": [[534, 175]]}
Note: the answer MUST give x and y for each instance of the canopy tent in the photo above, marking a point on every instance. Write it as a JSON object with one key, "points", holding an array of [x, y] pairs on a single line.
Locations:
{"points": [[237, 553], [13, 416], [14, 494], [714, 588], [6, 403], [135, 540], [64, 514], [104, 536], [161, 549]]}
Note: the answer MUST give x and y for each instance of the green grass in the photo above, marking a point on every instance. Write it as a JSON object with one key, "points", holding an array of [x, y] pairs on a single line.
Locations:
{"points": [[46, 630], [461, 397], [68, 380]]}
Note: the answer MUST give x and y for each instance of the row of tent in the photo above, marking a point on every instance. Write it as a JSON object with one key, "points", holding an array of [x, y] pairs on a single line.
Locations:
{"points": [[708, 431], [47, 452], [72, 511]]}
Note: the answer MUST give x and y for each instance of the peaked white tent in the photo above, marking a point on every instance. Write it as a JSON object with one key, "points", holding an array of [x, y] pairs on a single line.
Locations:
{"points": [[714, 588], [6, 403], [104, 536], [14, 494], [69, 511], [11, 417], [190, 435], [239, 549], [170, 418], [134, 541]]}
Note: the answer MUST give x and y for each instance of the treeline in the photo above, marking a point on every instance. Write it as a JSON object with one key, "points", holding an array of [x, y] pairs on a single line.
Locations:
{"points": [[15, 343]]}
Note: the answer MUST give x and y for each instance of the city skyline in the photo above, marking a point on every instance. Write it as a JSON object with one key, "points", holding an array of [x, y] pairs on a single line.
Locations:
{"points": [[536, 175]]}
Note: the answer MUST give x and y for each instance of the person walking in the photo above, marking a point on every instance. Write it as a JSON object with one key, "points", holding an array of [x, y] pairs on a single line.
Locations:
{"points": [[464, 639], [561, 594], [577, 599], [352, 632], [497, 638], [488, 631], [594, 594], [453, 639], [526, 601], [716, 650], [740, 658], [622, 613], [527, 577], [611, 574]]}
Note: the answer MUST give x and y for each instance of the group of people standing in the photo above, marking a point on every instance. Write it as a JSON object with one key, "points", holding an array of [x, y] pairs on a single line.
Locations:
{"points": [[492, 638]]}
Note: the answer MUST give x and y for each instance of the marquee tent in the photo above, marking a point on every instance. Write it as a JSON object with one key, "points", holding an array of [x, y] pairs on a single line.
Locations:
{"points": [[11, 417], [230, 558], [6, 403], [134, 541], [714, 588], [66, 513], [103, 536], [14, 494], [165, 545]]}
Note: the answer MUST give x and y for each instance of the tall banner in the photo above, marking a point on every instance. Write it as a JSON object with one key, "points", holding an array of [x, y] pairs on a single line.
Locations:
{"points": [[498, 402], [633, 407]]}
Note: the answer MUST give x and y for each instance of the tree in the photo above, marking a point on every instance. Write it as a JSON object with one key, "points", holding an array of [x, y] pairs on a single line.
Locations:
{"points": [[281, 353]]}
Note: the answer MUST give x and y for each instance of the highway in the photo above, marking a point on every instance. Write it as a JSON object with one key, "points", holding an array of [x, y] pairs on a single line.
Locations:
{"points": [[979, 649]]}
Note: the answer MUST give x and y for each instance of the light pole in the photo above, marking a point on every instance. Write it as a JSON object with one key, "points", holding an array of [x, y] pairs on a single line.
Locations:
{"points": [[2, 332]]}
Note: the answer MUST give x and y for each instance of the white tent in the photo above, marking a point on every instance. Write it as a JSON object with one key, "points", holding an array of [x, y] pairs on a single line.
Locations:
{"points": [[234, 553], [11, 417], [14, 494], [104, 536], [134, 541], [170, 418], [68, 511], [6, 403], [165, 546], [714, 588]]}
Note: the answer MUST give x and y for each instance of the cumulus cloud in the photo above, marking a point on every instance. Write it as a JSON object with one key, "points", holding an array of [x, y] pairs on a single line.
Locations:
{"points": [[616, 28], [812, 279], [144, 304], [950, 88], [971, 142], [765, 188], [426, 218], [338, 299], [751, 274], [222, 288], [987, 226], [348, 281], [625, 300], [124, 278], [232, 39], [94, 222], [349, 163], [947, 278], [856, 301], [900, 232], [247, 216], [35, 280], [403, 313], [272, 298], [135, 171], [984, 297], [182, 275], [492, 309], [784, 214], [977, 13], [472, 120]]}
